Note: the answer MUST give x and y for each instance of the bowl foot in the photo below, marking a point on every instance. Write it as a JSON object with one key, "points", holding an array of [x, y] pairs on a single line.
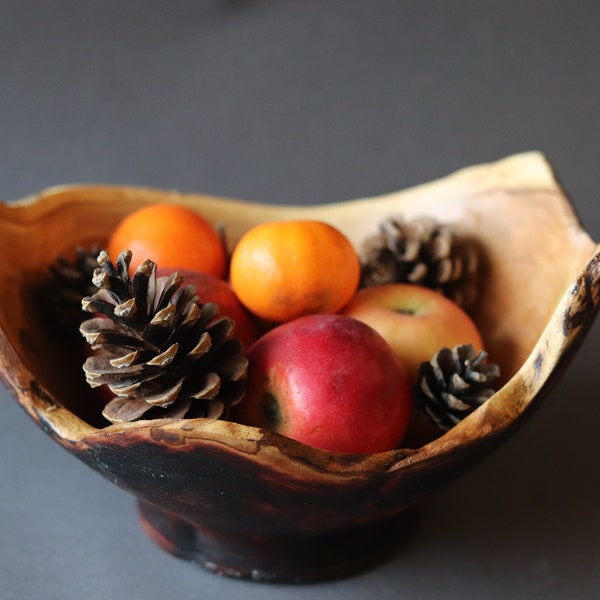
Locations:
{"points": [[301, 558]]}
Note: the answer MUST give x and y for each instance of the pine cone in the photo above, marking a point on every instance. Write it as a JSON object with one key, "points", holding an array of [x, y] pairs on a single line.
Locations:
{"points": [[454, 383], [159, 351], [424, 252], [70, 281]]}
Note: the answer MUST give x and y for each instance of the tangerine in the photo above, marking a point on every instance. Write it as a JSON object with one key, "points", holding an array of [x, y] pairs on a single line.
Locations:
{"points": [[286, 269], [171, 235]]}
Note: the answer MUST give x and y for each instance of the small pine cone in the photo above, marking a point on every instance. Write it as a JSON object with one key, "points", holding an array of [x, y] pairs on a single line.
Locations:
{"points": [[158, 350], [70, 281], [424, 252], [454, 383]]}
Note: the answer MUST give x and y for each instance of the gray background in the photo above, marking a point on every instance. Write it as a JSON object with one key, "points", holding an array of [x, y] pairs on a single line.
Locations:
{"points": [[306, 102]]}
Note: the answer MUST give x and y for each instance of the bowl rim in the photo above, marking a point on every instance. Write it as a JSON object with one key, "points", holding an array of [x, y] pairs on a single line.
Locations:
{"points": [[570, 321]]}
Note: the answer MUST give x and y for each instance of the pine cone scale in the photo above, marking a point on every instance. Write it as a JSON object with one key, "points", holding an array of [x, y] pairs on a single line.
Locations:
{"points": [[165, 358], [202, 347], [166, 396], [125, 409], [105, 331], [127, 360], [209, 387], [126, 310]]}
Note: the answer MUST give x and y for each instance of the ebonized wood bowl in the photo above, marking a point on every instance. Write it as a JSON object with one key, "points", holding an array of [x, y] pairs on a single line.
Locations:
{"points": [[250, 503]]}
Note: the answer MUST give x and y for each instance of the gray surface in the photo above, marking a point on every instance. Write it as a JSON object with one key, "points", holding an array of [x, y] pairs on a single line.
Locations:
{"points": [[307, 102]]}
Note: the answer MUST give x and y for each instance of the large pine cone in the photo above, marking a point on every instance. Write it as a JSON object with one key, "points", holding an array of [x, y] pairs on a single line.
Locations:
{"points": [[424, 252], [156, 348], [454, 383]]}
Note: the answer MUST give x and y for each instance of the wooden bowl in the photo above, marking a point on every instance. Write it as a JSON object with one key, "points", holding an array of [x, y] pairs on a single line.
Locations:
{"points": [[249, 503]]}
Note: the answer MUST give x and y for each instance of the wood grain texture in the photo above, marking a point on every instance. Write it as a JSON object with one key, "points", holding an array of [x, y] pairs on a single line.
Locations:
{"points": [[210, 490]]}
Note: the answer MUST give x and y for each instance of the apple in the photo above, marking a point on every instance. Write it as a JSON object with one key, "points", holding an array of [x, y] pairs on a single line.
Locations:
{"points": [[416, 321], [212, 289], [329, 381]]}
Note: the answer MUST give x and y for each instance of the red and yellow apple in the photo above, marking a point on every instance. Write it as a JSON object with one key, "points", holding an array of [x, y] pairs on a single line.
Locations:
{"points": [[212, 289], [329, 381], [416, 321]]}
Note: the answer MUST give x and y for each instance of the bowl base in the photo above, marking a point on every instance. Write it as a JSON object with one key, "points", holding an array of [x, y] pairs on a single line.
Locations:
{"points": [[291, 559]]}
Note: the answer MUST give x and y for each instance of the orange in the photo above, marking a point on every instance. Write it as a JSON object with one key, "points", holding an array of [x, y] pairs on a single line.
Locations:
{"points": [[171, 235], [286, 269]]}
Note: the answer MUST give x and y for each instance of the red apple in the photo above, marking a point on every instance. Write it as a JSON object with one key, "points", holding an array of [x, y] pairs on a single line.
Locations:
{"points": [[212, 289], [329, 381], [416, 321]]}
